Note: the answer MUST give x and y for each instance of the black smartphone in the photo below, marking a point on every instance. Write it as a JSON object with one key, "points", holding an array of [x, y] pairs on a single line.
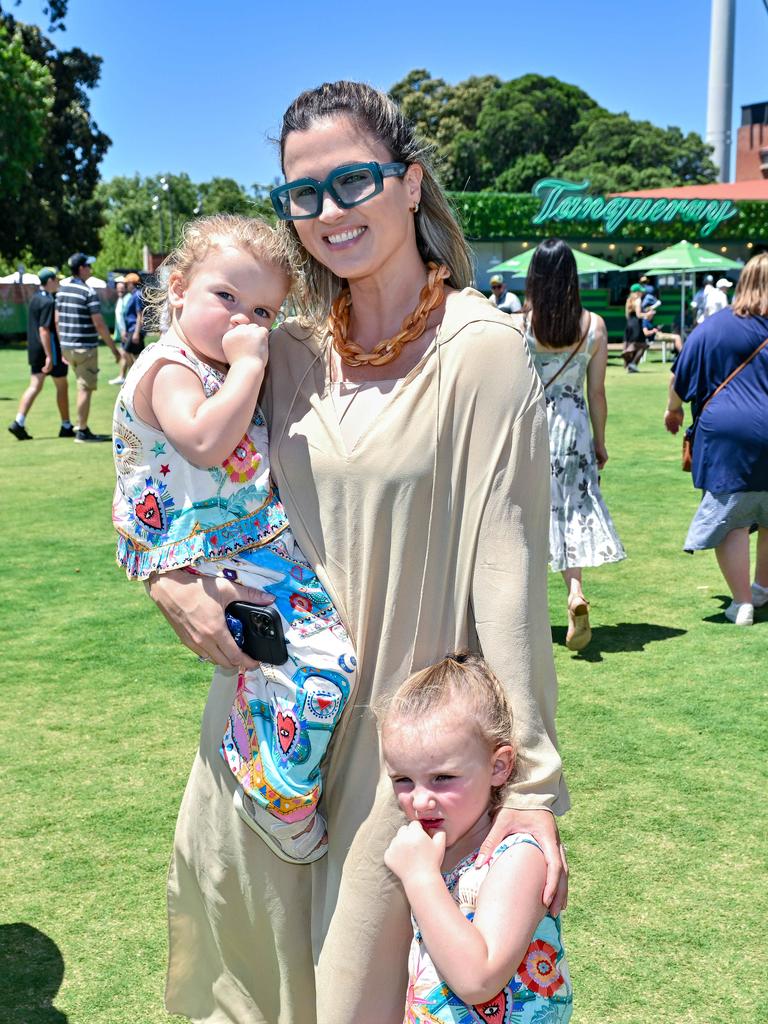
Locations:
{"points": [[258, 631]]}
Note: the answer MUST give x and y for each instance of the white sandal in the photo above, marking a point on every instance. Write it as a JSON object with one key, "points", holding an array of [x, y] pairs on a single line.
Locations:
{"points": [[280, 837]]}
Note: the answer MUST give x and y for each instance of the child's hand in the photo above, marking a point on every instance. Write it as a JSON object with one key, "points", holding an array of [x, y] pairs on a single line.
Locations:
{"points": [[245, 341], [414, 851]]}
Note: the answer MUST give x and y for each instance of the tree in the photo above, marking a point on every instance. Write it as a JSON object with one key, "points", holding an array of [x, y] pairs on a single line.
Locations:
{"points": [[54, 211], [26, 99], [617, 154], [503, 136]]}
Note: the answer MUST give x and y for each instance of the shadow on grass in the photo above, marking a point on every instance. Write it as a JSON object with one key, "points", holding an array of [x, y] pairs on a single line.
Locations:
{"points": [[31, 972], [619, 639], [761, 614]]}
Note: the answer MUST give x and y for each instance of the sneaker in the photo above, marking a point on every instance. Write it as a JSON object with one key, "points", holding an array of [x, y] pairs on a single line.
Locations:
{"points": [[740, 614], [631, 368], [117, 380], [759, 595], [67, 432], [19, 432], [85, 435]]}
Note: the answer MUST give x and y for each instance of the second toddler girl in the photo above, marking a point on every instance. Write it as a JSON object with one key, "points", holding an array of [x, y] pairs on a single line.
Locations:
{"points": [[484, 946], [194, 490]]}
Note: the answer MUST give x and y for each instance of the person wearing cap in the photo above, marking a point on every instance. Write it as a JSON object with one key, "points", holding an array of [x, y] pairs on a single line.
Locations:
{"points": [[133, 312], [717, 298], [44, 355], [79, 324], [502, 298]]}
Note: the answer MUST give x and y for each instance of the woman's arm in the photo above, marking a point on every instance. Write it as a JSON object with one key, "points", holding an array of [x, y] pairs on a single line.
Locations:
{"points": [[476, 959], [674, 415], [598, 404], [511, 615]]}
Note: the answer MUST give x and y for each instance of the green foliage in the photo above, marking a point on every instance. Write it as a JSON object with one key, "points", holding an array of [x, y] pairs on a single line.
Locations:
{"points": [[617, 154], [26, 99], [503, 136], [152, 211], [53, 212], [489, 216], [56, 11]]}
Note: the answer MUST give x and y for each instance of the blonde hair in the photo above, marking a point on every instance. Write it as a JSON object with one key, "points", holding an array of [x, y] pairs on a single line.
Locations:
{"points": [[633, 304], [468, 680], [438, 234], [249, 234], [751, 295]]}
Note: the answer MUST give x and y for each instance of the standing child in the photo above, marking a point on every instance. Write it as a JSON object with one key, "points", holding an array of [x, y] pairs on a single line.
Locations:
{"points": [[194, 490], [484, 946]]}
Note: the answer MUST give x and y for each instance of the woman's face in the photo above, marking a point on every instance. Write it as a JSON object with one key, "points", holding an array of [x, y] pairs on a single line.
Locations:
{"points": [[355, 243]]}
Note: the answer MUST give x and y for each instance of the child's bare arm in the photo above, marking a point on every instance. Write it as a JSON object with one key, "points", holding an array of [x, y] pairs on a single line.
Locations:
{"points": [[475, 959], [206, 430]]}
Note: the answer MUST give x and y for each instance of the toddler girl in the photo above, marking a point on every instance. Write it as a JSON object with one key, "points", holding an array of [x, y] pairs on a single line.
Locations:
{"points": [[484, 947], [193, 490]]}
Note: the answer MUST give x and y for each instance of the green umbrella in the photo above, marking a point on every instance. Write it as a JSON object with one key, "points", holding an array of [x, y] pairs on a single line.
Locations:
{"points": [[585, 264], [682, 257], [679, 259]]}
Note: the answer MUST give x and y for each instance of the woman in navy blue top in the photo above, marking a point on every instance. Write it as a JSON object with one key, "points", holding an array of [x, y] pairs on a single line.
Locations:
{"points": [[730, 452]]}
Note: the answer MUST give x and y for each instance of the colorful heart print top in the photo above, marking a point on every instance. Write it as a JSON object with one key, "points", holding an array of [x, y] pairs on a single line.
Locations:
{"points": [[169, 513], [539, 993]]}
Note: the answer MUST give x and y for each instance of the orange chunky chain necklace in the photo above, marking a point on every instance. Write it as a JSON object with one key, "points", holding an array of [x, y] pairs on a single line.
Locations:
{"points": [[414, 325]]}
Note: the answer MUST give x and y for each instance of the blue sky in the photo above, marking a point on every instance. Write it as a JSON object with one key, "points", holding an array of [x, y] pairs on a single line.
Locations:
{"points": [[200, 86]]}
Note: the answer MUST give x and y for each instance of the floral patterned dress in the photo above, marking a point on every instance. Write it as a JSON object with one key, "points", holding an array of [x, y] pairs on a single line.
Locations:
{"points": [[581, 531], [539, 993]]}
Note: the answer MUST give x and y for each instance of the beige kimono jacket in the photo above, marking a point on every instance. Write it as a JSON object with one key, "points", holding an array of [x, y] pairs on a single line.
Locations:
{"points": [[430, 534]]}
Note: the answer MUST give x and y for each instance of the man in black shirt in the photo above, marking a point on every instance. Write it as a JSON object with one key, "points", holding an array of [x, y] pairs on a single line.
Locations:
{"points": [[44, 354]]}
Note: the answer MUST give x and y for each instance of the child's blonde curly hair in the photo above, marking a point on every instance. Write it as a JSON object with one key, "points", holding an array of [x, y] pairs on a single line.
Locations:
{"points": [[249, 234]]}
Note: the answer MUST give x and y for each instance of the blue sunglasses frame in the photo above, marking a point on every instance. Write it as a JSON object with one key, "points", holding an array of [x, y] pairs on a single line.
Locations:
{"points": [[378, 172]]}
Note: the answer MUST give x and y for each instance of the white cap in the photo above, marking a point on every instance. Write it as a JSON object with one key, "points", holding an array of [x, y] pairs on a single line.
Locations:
{"points": [[724, 283]]}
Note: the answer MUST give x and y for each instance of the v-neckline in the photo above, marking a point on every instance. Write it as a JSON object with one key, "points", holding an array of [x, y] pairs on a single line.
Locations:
{"points": [[391, 400]]}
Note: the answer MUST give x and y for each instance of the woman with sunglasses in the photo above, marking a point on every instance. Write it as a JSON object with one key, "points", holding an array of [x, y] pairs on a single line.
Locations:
{"points": [[409, 444]]}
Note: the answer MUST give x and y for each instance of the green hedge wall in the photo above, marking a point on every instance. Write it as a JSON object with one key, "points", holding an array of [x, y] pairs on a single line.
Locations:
{"points": [[499, 216]]}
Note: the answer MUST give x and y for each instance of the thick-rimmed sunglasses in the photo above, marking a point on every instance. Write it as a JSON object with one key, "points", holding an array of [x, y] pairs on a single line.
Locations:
{"points": [[348, 186]]}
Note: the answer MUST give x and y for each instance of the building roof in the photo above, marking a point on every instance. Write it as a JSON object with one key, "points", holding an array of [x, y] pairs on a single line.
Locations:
{"points": [[757, 188]]}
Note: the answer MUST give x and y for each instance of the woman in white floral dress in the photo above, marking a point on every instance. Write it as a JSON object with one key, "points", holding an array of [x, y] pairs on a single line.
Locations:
{"points": [[569, 344]]}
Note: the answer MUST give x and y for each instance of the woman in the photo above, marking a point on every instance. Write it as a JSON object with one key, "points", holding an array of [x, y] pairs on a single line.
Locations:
{"points": [[414, 473], [567, 344], [730, 451], [635, 341]]}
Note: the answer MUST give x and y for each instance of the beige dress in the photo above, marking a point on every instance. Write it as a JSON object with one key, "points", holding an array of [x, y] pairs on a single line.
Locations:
{"points": [[430, 533]]}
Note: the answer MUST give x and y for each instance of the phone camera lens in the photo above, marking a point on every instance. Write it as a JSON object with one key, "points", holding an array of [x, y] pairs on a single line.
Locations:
{"points": [[263, 625]]}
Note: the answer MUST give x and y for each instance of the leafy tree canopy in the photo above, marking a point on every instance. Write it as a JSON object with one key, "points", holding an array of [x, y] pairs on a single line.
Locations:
{"points": [[502, 136], [52, 211], [26, 99], [152, 211]]}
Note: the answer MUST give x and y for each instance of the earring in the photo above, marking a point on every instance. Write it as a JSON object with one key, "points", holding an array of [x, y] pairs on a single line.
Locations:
{"points": [[415, 208]]}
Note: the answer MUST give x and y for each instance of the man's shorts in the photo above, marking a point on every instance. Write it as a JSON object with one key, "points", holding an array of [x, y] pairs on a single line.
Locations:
{"points": [[36, 356], [85, 363]]}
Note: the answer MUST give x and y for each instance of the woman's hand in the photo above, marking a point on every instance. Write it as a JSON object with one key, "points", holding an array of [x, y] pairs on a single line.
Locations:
{"points": [[601, 454], [543, 827], [413, 850], [194, 605], [673, 420]]}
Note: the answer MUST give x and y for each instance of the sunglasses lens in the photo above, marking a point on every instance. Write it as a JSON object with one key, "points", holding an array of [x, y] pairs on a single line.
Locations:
{"points": [[354, 185], [300, 201]]}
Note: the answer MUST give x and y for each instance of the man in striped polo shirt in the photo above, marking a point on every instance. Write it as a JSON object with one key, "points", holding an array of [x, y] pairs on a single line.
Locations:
{"points": [[79, 324]]}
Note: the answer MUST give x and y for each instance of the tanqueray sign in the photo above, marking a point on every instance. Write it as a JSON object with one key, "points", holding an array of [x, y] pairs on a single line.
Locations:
{"points": [[567, 200]]}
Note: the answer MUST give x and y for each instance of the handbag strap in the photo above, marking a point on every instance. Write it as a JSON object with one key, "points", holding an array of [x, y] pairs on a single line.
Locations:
{"points": [[572, 354], [730, 377]]}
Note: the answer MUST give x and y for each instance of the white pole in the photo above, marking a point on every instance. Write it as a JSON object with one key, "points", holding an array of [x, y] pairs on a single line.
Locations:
{"points": [[720, 89]]}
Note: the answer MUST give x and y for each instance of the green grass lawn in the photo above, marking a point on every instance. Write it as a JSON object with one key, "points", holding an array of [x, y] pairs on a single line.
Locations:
{"points": [[661, 720]]}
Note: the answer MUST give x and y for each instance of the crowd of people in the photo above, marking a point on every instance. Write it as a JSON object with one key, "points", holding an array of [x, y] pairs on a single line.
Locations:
{"points": [[369, 829], [64, 327]]}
